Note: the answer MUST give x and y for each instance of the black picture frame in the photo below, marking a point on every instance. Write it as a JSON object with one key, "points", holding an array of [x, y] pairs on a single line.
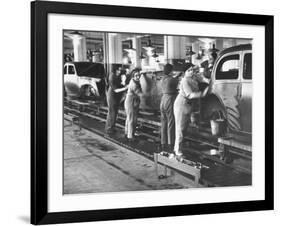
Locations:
{"points": [[39, 112]]}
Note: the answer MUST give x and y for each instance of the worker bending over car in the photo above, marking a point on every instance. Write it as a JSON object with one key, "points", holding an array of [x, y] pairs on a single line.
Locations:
{"points": [[188, 91]]}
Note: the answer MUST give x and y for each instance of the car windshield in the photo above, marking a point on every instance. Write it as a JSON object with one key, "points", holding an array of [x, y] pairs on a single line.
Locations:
{"points": [[88, 69]]}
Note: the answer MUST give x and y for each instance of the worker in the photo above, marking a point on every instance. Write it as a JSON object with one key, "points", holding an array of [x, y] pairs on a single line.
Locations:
{"points": [[169, 89], [125, 79], [132, 103], [114, 95], [188, 91]]}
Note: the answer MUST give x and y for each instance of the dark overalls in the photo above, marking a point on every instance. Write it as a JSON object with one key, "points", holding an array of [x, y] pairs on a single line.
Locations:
{"points": [[169, 89], [113, 101]]}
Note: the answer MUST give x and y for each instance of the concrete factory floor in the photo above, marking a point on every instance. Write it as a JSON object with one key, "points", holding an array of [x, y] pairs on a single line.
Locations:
{"points": [[94, 164]]}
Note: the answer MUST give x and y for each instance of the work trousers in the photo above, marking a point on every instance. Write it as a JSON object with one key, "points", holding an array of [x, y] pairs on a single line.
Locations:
{"points": [[113, 101], [182, 111], [131, 105], [167, 119]]}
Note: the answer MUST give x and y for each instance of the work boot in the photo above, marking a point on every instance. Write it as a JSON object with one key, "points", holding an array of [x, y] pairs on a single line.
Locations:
{"points": [[172, 156], [179, 156]]}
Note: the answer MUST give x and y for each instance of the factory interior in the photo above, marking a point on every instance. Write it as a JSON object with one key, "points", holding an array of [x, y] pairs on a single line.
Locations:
{"points": [[216, 147]]}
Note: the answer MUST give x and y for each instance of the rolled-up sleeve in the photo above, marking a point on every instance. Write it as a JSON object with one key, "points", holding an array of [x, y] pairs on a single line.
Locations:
{"points": [[188, 86]]}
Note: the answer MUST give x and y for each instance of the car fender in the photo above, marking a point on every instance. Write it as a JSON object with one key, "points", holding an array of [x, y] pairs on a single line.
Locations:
{"points": [[230, 108]]}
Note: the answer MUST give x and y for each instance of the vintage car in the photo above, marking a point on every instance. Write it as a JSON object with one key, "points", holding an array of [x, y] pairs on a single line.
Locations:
{"points": [[230, 89], [84, 80]]}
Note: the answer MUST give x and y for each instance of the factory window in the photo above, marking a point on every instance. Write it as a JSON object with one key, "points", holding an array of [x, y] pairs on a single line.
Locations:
{"points": [[71, 70], [247, 66], [228, 68]]}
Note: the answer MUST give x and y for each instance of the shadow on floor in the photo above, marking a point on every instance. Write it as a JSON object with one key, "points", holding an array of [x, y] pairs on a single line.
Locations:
{"points": [[25, 219]]}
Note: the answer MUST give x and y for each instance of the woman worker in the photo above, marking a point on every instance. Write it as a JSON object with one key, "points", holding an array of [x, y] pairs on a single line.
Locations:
{"points": [[114, 95], [132, 103], [169, 89], [188, 90]]}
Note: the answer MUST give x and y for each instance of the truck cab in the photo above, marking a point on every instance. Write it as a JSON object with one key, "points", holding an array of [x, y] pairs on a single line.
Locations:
{"points": [[84, 79]]}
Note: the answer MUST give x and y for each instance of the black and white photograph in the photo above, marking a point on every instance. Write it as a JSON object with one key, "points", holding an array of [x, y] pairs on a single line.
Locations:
{"points": [[148, 111], [124, 113]]}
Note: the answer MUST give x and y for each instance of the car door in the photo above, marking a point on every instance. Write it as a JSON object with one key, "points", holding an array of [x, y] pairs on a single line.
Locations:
{"points": [[71, 80], [246, 92], [227, 86]]}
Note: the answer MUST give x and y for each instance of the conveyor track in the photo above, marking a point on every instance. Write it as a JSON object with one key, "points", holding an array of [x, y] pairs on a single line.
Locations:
{"points": [[147, 130]]}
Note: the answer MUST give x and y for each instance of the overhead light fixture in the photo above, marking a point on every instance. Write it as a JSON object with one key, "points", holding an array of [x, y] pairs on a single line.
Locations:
{"points": [[213, 49], [149, 47], [155, 55], [201, 51], [199, 56], [189, 51]]}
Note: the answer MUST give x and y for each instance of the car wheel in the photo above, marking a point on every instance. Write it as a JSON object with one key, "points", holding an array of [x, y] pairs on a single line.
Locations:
{"points": [[85, 92], [212, 109]]}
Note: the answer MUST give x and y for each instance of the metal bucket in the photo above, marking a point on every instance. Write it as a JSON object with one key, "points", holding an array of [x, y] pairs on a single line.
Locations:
{"points": [[218, 127]]}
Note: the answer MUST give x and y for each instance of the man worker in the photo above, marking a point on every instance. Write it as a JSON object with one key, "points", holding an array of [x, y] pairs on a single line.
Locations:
{"points": [[188, 91], [114, 95], [169, 89]]}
